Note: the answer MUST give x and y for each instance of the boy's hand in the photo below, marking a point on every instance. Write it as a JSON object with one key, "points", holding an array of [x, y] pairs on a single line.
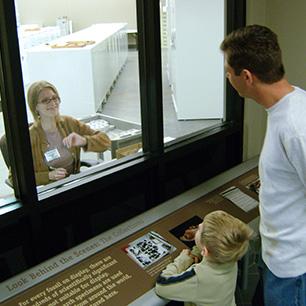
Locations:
{"points": [[194, 258], [185, 252]]}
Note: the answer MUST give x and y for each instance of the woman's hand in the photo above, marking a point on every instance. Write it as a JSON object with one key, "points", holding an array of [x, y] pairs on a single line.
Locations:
{"points": [[74, 140], [57, 174]]}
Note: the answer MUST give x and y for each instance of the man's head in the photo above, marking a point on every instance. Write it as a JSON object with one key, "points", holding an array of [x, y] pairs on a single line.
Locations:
{"points": [[254, 48]]}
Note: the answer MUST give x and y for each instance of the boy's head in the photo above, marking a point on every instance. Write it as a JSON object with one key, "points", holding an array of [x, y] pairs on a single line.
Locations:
{"points": [[222, 237]]}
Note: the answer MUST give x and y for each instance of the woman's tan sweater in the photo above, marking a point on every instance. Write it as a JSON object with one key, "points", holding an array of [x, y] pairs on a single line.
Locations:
{"points": [[96, 142]]}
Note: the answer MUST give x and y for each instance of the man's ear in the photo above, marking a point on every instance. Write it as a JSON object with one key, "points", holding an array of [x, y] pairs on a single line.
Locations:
{"points": [[247, 76]]}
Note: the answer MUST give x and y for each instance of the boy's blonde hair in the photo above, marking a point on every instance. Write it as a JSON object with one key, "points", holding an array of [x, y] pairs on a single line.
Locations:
{"points": [[225, 237]]}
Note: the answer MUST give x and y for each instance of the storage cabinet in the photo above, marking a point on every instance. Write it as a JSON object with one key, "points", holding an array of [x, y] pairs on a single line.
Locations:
{"points": [[195, 63], [82, 75]]}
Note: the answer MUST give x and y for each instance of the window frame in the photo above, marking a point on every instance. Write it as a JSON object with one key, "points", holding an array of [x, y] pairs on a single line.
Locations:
{"points": [[14, 108]]}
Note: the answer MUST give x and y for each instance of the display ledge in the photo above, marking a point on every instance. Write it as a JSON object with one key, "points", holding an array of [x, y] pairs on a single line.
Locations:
{"points": [[8, 205], [107, 269]]}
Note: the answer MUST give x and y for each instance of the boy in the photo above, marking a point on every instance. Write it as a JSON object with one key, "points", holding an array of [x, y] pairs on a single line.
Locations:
{"points": [[221, 239]]}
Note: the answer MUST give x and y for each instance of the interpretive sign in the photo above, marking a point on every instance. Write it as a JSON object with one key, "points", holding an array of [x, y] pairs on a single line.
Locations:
{"points": [[117, 267]]}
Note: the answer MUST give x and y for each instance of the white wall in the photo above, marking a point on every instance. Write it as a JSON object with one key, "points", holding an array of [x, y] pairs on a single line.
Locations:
{"points": [[287, 19], [82, 13]]}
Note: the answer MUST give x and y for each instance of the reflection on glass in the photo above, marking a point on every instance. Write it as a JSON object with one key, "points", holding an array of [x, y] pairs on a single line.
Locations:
{"points": [[5, 190], [88, 52], [193, 74]]}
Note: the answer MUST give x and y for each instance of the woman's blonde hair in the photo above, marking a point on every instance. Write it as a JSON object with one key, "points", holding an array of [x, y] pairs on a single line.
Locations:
{"points": [[33, 93], [225, 237]]}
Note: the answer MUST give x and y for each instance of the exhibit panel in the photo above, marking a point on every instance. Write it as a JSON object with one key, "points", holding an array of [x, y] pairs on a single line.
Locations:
{"points": [[120, 266]]}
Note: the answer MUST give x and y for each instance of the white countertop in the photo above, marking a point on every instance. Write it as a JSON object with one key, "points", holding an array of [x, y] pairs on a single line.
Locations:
{"points": [[97, 32]]}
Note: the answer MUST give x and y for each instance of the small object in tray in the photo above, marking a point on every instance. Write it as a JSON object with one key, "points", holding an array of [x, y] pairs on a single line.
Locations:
{"points": [[73, 44]]}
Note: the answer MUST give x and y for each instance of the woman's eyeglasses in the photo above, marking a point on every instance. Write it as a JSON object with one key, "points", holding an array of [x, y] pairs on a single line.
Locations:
{"points": [[48, 101]]}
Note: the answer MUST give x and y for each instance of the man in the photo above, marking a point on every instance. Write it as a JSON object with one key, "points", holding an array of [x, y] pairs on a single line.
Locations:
{"points": [[254, 68]]}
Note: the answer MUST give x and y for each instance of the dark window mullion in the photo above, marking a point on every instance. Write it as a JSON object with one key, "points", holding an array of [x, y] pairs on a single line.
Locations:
{"points": [[235, 18], [150, 75], [13, 106]]}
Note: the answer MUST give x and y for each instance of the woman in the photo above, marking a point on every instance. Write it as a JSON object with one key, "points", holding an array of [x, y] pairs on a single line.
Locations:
{"points": [[57, 140]]}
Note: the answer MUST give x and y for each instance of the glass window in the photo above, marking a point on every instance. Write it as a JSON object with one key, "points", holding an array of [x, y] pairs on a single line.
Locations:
{"points": [[63, 33], [193, 73], [6, 190], [89, 54]]}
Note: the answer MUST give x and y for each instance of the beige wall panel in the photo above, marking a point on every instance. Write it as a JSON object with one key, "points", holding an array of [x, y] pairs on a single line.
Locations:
{"points": [[255, 116], [287, 18]]}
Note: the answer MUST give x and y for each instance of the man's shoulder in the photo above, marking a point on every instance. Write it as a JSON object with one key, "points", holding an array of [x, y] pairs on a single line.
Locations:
{"points": [[298, 94]]}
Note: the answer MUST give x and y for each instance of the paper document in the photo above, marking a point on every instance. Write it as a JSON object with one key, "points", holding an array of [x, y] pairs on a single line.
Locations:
{"points": [[148, 249], [239, 198]]}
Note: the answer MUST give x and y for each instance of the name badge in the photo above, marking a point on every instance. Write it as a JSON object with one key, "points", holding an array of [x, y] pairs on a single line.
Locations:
{"points": [[52, 155]]}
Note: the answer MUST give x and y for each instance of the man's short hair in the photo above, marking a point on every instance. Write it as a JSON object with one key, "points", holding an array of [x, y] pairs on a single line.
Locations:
{"points": [[256, 49]]}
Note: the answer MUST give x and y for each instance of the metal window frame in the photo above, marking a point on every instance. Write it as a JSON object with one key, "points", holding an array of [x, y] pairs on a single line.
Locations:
{"points": [[13, 107]]}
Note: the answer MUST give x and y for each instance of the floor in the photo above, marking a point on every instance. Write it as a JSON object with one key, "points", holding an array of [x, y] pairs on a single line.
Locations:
{"points": [[244, 295], [124, 101]]}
